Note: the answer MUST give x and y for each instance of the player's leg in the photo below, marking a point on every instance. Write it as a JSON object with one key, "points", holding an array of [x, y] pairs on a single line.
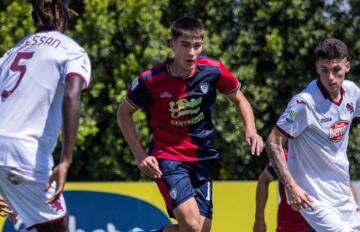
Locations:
{"points": [[196, 212], [188, 216], [206, 226], [27, 198], [60, 225], [178, 192]]}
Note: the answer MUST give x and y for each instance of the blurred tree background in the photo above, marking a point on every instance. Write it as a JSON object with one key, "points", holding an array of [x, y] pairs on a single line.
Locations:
{"points": [[267, 44]]}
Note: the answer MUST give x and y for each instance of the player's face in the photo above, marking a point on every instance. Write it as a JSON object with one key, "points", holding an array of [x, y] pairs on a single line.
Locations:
{"points": [[186, 50], [332, 74]]}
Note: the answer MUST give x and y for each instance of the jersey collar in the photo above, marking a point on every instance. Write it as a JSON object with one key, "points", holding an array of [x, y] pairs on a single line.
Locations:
{"points": [[42, 29], [326, 94]]}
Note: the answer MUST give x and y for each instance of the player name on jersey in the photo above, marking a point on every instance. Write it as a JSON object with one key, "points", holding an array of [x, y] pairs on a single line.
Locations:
{"points": [[43, 40]]}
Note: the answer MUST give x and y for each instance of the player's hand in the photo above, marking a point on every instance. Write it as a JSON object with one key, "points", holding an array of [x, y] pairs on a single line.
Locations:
{"points": [[4, 208], [59, 177], [150, 167], [298, 198], [259, 226], [255, 142]]}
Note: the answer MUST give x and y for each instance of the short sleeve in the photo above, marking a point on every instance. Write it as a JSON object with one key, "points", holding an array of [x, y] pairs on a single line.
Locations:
{"points": [[78, 65], [227, 82], [295, 118], [357, 107], [138, 94]]}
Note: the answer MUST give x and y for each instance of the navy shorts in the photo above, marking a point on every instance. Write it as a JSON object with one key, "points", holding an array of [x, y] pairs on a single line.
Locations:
{"points": [[183, 180]]}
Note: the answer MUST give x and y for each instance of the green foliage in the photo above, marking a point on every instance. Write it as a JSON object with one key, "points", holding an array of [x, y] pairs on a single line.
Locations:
{"points": [[267, 44]]}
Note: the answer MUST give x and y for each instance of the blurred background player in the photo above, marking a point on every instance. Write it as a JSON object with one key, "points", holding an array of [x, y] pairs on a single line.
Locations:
{"points": [[288, 220], [179, 96], [5, 211], [41, 79], [316, 124]]}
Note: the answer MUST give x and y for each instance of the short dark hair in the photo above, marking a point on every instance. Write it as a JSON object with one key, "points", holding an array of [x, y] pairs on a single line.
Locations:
{"points": [[187, 26], [50, 13], [331, 48]]}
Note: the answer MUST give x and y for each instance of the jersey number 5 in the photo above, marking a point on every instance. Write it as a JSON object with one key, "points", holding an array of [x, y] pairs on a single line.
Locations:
{"points": [[16, 67]]}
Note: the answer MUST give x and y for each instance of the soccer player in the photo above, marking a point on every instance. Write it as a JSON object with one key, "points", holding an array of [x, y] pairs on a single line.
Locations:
{"points": [[179, 97], [316, 123], [41, 79], [288, 220]]}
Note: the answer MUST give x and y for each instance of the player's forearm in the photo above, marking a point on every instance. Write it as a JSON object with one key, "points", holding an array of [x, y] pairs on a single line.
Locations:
{"points": [[246, 114], [71, 115], [276, 155], [127, 127]]}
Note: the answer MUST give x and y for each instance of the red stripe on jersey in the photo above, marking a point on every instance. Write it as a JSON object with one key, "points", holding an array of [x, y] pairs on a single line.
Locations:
{"points": [[77, 75], [283, 132]]}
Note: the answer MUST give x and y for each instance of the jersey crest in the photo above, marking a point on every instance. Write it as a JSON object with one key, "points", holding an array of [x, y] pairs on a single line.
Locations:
{"points": [[204, 87]]}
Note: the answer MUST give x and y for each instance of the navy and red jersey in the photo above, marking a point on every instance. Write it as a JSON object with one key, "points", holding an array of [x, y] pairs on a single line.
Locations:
{"points": [[180, 109], [288, 220]]}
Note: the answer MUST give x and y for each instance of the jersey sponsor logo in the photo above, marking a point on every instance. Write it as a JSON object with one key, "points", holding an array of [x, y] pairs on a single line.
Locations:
{"points": [[183, 107], [194, 120], [350, 107], [165, 95], [323, 120], [338, 130], [204, 87], [291, 116]]}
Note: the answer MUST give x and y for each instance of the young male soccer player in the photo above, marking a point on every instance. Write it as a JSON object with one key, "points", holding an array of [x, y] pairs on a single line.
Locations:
{"points": [[41, 79], [288, 220], [179, 96], [317, 122]]}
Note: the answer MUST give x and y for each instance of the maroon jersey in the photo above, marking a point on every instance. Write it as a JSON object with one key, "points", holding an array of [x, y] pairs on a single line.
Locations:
{"points": [[180, 109]]}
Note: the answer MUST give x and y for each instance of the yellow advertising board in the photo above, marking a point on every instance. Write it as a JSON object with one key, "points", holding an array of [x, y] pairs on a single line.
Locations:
{"points": [[118, 206]]}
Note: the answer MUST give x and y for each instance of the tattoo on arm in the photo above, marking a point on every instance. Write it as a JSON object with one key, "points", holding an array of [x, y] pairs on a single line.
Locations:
{"points": [[275, 153]]}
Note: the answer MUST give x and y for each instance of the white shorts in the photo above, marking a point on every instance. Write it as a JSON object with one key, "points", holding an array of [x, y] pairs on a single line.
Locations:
{"points": [[27, 198], [345, 218]]}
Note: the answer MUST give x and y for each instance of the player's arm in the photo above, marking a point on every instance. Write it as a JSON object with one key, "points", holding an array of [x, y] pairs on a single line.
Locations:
{"points": [[4, 208], [246, 114], [353, 192], [262, 190], [71, 115], [298, 198], [147, 164]]}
